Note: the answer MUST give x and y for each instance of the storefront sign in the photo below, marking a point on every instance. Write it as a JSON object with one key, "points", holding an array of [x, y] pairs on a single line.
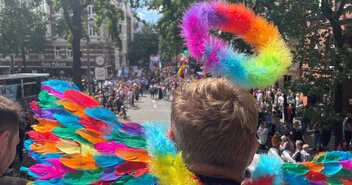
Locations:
{"points": [[100, 73], [53, 64]]}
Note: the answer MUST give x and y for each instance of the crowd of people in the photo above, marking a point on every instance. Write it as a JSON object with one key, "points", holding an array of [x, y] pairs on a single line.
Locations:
{"points": [[286, 137], [286, 125]]}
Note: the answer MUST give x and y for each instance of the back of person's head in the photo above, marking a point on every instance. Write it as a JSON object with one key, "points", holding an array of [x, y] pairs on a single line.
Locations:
{"points": [[306, 147], [9, 118], [299, 143], [214, 125], [9, 115], [284, 138]]}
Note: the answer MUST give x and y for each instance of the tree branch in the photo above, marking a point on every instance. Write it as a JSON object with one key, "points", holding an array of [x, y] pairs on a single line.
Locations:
{"points": [[340, 9], [67, 15], [334, 23]]}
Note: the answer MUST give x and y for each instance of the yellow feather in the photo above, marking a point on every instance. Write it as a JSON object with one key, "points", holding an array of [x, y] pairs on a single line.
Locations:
{"points": [[171, 170]]}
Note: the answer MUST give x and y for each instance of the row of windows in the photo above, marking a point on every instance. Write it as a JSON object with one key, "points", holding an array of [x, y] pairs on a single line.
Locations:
{"points": [[58, 52]]}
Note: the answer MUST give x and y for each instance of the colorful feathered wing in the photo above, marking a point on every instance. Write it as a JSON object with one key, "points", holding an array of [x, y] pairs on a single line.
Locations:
{"points": [[79, 142]]}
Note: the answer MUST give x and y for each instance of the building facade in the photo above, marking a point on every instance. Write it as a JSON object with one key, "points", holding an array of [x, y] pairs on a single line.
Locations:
{"points": [[57, 58]]}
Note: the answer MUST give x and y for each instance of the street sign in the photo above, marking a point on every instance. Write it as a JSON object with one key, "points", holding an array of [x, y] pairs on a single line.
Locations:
{"points": [[100, 73]]}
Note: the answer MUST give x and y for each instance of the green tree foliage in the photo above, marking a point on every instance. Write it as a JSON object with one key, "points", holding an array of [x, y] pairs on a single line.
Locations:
{"points": [[75, 16], [23, 27], [145, 44]]}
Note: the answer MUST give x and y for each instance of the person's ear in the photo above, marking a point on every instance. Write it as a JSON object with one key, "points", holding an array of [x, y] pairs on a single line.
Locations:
{"points": [[171, 135], [4, 139]]}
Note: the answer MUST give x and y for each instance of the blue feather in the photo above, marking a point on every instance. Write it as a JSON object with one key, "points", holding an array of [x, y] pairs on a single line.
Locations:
{"points": [[331, 168], [145, 180], [61, 86], [157, 141], [25, 169], [269, 165], [67, 119], [103, 114], [107, 160], [292, 178]]}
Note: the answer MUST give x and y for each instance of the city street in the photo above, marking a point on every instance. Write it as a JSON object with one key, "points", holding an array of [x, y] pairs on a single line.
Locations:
{"points": [[147, 109]]}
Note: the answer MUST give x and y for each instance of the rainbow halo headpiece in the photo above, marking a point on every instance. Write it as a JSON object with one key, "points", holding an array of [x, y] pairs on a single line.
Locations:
{"points": [[272, 59]]}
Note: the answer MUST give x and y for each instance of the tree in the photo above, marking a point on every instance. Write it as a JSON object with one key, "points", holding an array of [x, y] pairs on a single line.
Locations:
{"points": [[74, 12], [145, 44], [23, 27]]}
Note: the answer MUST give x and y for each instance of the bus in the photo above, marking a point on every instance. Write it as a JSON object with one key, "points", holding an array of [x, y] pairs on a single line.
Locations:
{"points": [[23, 87]]}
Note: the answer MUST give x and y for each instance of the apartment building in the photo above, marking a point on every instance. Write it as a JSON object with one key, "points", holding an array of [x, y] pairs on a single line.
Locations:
{"points": [[57, 58]]}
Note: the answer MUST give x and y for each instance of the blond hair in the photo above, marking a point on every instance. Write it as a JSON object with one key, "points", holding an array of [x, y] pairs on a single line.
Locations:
{"points": [[214, 123]]}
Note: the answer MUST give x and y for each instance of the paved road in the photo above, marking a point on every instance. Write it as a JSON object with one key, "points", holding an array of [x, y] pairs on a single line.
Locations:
{"points": [[147, 109]]}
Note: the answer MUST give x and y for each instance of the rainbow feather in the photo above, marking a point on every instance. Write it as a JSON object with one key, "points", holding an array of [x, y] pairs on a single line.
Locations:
{"points": [[262, 70], [96, 148]]}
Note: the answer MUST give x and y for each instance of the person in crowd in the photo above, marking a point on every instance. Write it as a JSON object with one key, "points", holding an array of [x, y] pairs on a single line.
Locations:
{"points": [[285, 144], [130, 96], [348, 132], [305, 155], [118, 103], [275, 122], [289, 113], [276, 140], [262, 135], [9, 138], [317, 135], [152, 91], [342, 146], [280, 101], [160, 92], [297, 133], [297, 155], [205, 129]]}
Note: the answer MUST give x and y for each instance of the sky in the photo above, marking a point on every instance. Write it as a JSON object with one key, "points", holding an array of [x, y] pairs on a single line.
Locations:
{"points": [[148, 15]]}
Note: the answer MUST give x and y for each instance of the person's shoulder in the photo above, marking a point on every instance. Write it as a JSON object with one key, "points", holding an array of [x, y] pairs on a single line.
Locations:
{"points": [[12, 180]]}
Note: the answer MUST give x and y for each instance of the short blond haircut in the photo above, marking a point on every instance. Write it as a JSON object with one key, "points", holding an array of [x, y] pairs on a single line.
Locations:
{"points": [[214, 123]]}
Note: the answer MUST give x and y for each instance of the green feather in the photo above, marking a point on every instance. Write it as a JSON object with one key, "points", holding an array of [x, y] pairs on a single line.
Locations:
{"points": [[69, 133], [82, 177], [131, 141], [47, 101], [295, 168]]}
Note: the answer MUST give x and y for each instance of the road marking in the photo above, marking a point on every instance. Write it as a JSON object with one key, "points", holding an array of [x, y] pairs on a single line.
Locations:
{"points": [[155, 107]]}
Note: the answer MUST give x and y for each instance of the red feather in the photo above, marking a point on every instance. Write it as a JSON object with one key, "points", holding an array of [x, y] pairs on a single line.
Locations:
{"points": [[267, 180], [80, 98], [42, 137], [316, 176], [135, 169]]}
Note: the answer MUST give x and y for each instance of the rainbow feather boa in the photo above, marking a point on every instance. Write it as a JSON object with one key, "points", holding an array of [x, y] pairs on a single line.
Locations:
{"points": [[79, 142], [271, 62]]}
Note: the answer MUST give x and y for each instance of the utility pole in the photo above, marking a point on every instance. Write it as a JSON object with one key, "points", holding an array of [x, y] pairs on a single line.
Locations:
{"points": [[88, 59], [12, 70]]}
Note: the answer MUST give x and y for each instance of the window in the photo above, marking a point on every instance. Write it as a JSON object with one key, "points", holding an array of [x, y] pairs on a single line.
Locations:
{"points": [[41, 55], [69, 53], [91, 30], [28, 53], [90, 10], [57, 52]]}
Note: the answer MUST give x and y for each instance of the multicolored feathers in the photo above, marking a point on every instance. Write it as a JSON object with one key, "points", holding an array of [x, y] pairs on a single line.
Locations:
{"points": [[79, 142], [96, 148], [272, 59]]}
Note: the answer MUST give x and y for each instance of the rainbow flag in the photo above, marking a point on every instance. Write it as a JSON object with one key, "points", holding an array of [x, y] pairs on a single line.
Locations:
{"points": [[181, 70]]}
